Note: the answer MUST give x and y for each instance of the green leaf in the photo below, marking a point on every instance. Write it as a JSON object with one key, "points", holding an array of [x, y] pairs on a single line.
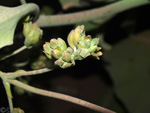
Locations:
{"points": [[9, 18]]}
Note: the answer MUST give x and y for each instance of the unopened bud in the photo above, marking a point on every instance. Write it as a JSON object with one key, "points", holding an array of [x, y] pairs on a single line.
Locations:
{"points": [[54, 48], [32, 34], [94, 45], [97, 54], [66, 59], [27, 28], [85, 42], [95, 42], [70, 39], [47, 50], [84, 53], [58, 47], [75, 35]]}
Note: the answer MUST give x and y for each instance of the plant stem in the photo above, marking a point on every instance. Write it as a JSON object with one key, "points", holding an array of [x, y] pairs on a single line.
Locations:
{"points": [[59, 96], [9, 95], [23, 1], [27, 73], [102, 13], [14, 53]]}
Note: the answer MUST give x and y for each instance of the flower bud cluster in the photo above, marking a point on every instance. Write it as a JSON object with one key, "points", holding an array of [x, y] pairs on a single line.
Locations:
{"points": [[57, 49], [32, 34], [81, 46]]}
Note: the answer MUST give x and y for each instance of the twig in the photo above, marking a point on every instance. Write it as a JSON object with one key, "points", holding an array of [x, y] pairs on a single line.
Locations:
{"points": [[102, 13], [27, 73], [14, 53], [10, 104], [59, 96]]}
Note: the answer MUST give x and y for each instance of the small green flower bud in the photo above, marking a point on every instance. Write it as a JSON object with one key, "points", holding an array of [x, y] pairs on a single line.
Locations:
{"points": [[47, 50], [97, 54], [62, 44], [62, 64], [69, 50], [95, 42], [27, 28], [94, 45], [56, 53], [53, 43], [59, 62], [84, 53], [75, 35], [92, 49], [55, 48], [78, 33], [66, 57], [85, 42], [66, 60], [32, 34], [70, 39], [58, 47]]}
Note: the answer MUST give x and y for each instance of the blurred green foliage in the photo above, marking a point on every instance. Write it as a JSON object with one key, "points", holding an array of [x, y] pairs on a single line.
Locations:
{"points": [[129, 67]]}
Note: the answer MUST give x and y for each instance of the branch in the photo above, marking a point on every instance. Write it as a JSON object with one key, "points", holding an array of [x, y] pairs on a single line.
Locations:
{"points": [[27, 73], [103, 13], [14, 53], [59, 96]]}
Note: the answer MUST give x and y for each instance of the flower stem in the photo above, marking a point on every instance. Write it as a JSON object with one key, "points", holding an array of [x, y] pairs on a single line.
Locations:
{"points": [[14, 53], [9, 95], [59, 96], [27, 73], [102, 13]]}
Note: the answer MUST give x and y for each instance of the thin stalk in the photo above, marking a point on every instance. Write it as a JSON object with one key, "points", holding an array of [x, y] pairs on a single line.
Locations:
{"points": [[9, 95], [10, 104], [14, 53], [26, 73], [101, 13], [59, 96]]}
